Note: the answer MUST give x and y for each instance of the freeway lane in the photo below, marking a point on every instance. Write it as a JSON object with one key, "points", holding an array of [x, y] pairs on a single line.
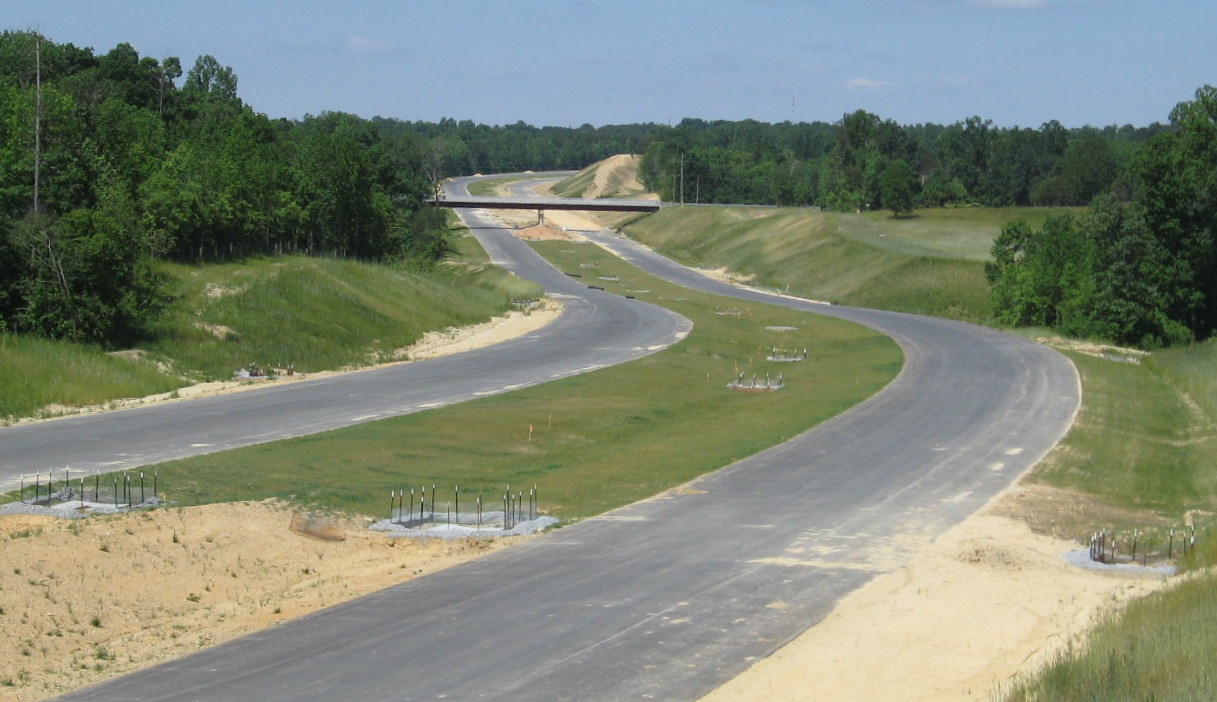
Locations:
{"points": [[596, 330], [668, 598]]}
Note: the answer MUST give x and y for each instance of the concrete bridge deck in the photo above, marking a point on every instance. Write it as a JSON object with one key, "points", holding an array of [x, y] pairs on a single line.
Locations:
{"points": [[549, 203]]}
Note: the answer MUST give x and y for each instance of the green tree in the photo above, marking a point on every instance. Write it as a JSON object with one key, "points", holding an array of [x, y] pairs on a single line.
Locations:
{"points": [[86, 277], [899, 187], [1039, 277], [1088, 167], [1177, 176], [209, 77], [1133, 280]]}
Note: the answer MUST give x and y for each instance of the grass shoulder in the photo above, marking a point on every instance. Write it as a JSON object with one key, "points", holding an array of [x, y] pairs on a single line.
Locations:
{"points": [[311, 314]]}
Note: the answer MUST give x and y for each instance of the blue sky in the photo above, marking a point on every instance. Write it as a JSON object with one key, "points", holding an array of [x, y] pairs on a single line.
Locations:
{"points": [[1016, 62]]}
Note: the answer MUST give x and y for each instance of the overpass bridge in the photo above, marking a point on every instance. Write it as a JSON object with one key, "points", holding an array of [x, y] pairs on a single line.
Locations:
{"points": [[549, 203]]}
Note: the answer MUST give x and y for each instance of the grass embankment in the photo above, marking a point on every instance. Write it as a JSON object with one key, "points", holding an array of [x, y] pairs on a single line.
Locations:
{"points": [[38, 373], [314, 314], [576, 185], [1145, 444], [319, 314], [931, 263], [1145, 440], [600, 440]]}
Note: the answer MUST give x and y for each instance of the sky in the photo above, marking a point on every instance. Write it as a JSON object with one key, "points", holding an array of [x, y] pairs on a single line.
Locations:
{"points": [[544, 62]]}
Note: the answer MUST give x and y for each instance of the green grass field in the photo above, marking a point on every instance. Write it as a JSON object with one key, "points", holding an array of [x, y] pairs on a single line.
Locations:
{"points": [[823, 256], [1140, 441], [956, 232], [601, 440], [36, 374]]}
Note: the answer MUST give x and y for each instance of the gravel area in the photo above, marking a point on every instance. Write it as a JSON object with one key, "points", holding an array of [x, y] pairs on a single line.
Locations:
{"points": [[1081, 559], [460, 526], [75, 509]]}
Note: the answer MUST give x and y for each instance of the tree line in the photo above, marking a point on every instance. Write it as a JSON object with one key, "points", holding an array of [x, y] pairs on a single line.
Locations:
{"points": [[109, 162], [852, 164], [865, 162]]}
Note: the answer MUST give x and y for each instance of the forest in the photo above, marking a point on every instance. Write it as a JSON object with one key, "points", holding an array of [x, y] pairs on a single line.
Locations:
{"points": [[110, 162], [113, 161], [1138, 269]]}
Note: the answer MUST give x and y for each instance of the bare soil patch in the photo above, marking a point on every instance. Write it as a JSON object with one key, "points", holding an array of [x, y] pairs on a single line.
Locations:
{"points": [[543, 232], [85, 600], [984, 603]]}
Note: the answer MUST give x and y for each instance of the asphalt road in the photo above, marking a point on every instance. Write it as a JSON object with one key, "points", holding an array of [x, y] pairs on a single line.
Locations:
{"points": [[597, 329], [668, 598]]}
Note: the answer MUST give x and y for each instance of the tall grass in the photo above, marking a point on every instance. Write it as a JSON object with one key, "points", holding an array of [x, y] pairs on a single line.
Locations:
{"points": [[1158, 648], [38, 373], [318, 314], [1145, 440], [1192, 370], [601, 439], [313, 314]]}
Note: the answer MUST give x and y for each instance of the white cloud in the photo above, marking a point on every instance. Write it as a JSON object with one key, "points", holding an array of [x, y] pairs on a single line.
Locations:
{"points": [[1010, 4], [868, 84], [365, 46]]}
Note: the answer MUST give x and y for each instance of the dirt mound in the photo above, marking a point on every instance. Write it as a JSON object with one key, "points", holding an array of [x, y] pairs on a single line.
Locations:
{"points": [[543, 232], [616, 176], [317, 527], [76, 605]]}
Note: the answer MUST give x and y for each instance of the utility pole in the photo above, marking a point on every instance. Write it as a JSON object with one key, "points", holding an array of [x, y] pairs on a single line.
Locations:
{"points": [[37, 115], [682, 178]]}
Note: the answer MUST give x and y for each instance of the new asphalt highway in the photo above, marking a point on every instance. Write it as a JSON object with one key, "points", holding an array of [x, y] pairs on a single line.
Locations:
{"points": [[670, 597], [596, 330]]}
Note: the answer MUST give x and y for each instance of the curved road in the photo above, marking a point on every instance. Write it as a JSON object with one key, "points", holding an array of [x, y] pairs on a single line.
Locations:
{"points": [[670, 597], [595, 330]]}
